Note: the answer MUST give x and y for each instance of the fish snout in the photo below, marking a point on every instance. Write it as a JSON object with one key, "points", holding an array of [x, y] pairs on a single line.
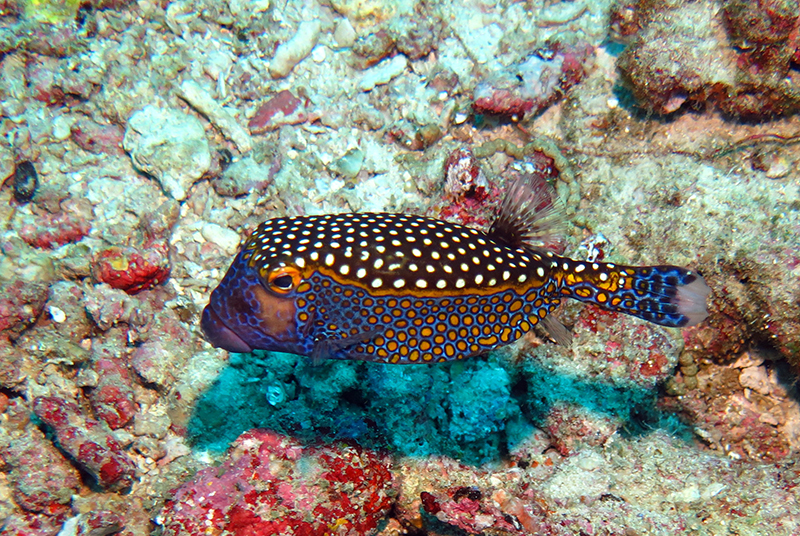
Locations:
{"points": [[220, 335]]}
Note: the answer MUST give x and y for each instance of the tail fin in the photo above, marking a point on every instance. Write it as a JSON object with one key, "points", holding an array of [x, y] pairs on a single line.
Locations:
{"points": [[667, 295]]}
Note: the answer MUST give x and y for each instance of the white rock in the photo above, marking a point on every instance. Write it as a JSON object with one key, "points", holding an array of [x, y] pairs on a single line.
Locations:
{"points": [[755, 378], [225, 238], [383, 72], [713, 490], [344, 34], [62, 127], [203, 102], [319, 53], [690, 493], [589, 461], [169, 145], [295, 49], [748, 359], [247, 8], [7, 165], [58, 315], [70, 526]]}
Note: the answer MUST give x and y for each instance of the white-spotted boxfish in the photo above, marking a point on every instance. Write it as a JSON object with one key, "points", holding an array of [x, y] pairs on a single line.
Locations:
{"points": [[399, 288]]}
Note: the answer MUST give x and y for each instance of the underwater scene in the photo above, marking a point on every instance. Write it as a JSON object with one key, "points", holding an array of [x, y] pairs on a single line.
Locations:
{"points": [[399, 267]]}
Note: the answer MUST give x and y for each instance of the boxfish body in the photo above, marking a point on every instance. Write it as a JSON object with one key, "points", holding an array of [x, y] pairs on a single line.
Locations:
{"points": [[400, 288]]}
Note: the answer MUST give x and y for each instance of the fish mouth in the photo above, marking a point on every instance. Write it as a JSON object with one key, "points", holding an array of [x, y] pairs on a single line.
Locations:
{"points": [[220, 335]]}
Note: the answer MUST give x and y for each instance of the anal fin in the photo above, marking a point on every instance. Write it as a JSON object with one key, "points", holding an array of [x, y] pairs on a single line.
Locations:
{"points": [[557, 330], [325, 348]]}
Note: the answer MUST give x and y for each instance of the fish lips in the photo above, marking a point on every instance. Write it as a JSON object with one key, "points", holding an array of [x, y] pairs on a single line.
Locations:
{"points": [[220, 335]]}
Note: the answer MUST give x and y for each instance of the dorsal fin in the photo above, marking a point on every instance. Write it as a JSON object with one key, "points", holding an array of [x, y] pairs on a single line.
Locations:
{"points": [[531, 215]]}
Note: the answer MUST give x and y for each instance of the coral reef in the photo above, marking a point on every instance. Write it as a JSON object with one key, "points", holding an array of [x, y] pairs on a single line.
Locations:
{"points": [[162, 133], [131, 269], [41, 479], [168, 145], [664, 490], [534, 83], [692, 54], [282, 109], [463, 176], [272, 484], [87, 442]]}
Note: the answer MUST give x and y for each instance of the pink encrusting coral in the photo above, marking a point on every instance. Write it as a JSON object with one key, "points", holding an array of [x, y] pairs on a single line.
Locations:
{"points": [[41, 479], [112, 397], [49, 231], [133, 269], [281, 109], [21, 302], [87, 441], [272, 484], [468, 194], [463, 177]]}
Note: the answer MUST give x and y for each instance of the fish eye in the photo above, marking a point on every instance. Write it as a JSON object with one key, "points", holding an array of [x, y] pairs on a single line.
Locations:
{"points": [[283, 282], [284, 279]]}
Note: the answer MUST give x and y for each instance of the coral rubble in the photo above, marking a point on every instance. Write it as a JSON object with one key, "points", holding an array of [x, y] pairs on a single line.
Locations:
{"points": [[737, 57]]}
